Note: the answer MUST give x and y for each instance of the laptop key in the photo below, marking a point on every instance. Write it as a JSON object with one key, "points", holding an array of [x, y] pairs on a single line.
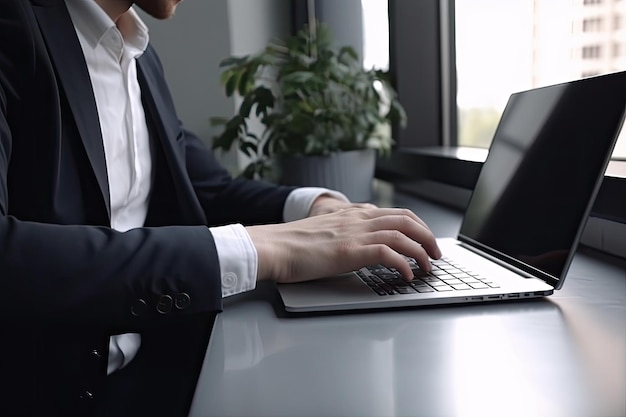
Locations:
{"points": [[379, 291], [461, 287], [387, 288], [452, 281], [420, 273]]}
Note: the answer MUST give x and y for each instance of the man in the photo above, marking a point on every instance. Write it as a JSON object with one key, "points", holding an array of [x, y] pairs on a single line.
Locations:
{"points": [[119, 231]]}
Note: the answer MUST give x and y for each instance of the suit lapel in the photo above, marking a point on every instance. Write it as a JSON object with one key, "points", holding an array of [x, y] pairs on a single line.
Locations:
{"points": [[156, 109], [166, 126], [66, 54]]}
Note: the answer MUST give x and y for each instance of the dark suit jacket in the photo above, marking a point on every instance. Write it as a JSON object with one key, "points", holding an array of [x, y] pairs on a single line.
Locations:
{"points": [[69, 281]]}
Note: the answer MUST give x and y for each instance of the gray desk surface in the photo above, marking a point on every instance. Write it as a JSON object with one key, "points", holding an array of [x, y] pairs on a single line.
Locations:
{"points": [[564, 355]]}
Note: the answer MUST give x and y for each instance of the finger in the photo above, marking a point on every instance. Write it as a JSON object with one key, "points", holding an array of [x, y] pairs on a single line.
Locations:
{"points": [[384, 255], [409, 227], [401, 244]]}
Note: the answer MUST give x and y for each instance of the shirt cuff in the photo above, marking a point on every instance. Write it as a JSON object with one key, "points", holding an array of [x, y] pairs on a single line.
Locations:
{"points": [[300, 200], [238, 259]]}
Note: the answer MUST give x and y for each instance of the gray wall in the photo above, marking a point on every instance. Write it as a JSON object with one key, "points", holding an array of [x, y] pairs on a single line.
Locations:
{"points": [[345, 22], [255, 22], [191, 45]]}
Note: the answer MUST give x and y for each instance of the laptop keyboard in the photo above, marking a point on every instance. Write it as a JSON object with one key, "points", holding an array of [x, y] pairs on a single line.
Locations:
{"points": [[446, 275]]}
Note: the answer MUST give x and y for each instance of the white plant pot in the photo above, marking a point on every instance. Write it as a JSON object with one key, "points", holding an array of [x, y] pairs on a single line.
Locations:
{"points": [[350, 172]]}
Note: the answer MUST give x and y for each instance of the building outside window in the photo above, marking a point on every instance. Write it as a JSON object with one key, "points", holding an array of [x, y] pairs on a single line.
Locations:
{"points": [[593, 24], [591, 51], [505, 47]]}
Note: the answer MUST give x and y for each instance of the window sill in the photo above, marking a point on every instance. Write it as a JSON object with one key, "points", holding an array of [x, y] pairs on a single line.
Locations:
{"points": [[447, 176]]}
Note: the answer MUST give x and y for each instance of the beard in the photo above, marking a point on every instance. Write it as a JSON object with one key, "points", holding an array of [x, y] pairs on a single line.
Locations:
{"points": [[159, 9]]}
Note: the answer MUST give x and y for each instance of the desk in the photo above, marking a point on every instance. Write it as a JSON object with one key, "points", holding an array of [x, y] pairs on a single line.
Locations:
{"points": [[564, 355]]}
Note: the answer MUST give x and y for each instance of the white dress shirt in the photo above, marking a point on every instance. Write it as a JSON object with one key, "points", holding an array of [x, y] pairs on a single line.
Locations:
{"points": [[110, 51]]}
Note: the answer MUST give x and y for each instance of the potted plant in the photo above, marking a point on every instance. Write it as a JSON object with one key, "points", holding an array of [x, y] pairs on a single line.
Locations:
{"points": [[317, 105]]}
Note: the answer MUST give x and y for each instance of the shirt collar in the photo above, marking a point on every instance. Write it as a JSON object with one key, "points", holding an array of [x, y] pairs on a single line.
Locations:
{"points": [[94, 23]]}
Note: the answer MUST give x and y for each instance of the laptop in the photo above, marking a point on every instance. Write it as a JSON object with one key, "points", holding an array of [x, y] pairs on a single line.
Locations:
{"points": [[524, 219]]}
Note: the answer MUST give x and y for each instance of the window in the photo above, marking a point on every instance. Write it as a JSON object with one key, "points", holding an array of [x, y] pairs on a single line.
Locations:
{"points": [[617, 22], [375, 34], [591, 51], [593, 24], [503, 47]]}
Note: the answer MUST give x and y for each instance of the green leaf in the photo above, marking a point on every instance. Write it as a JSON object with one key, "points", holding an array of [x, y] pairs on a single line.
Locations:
{"points": [[236, 122], [264, 100], [266, 149], [231, 84], [298, 77], [233, 61], [243, 83], [250, 171], [248, 148], [225, 76], [246, 105], [397, 114], [347, 54], [226, 139]]}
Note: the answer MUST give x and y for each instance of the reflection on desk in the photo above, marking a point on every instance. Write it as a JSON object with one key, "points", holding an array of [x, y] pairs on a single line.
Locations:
{"points": [[526, 358]]}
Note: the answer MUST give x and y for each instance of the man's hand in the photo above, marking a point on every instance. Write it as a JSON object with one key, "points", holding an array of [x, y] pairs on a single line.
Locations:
{"points": [[325, 204], [342, 241]]}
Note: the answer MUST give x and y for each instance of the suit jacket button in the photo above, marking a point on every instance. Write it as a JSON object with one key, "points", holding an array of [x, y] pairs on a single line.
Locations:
{"points": [[165, 304], [96, 354], [182, 301], [86, 395], [138, 308]]}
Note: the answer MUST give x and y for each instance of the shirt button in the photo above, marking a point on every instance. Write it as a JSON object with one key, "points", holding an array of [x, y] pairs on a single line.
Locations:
{"points": [[138, 308], [165, 304], [182, 301], [229, 280]]}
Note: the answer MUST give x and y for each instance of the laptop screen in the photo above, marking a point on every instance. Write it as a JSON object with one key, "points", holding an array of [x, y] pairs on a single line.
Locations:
{"points": [[544, 167]]}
